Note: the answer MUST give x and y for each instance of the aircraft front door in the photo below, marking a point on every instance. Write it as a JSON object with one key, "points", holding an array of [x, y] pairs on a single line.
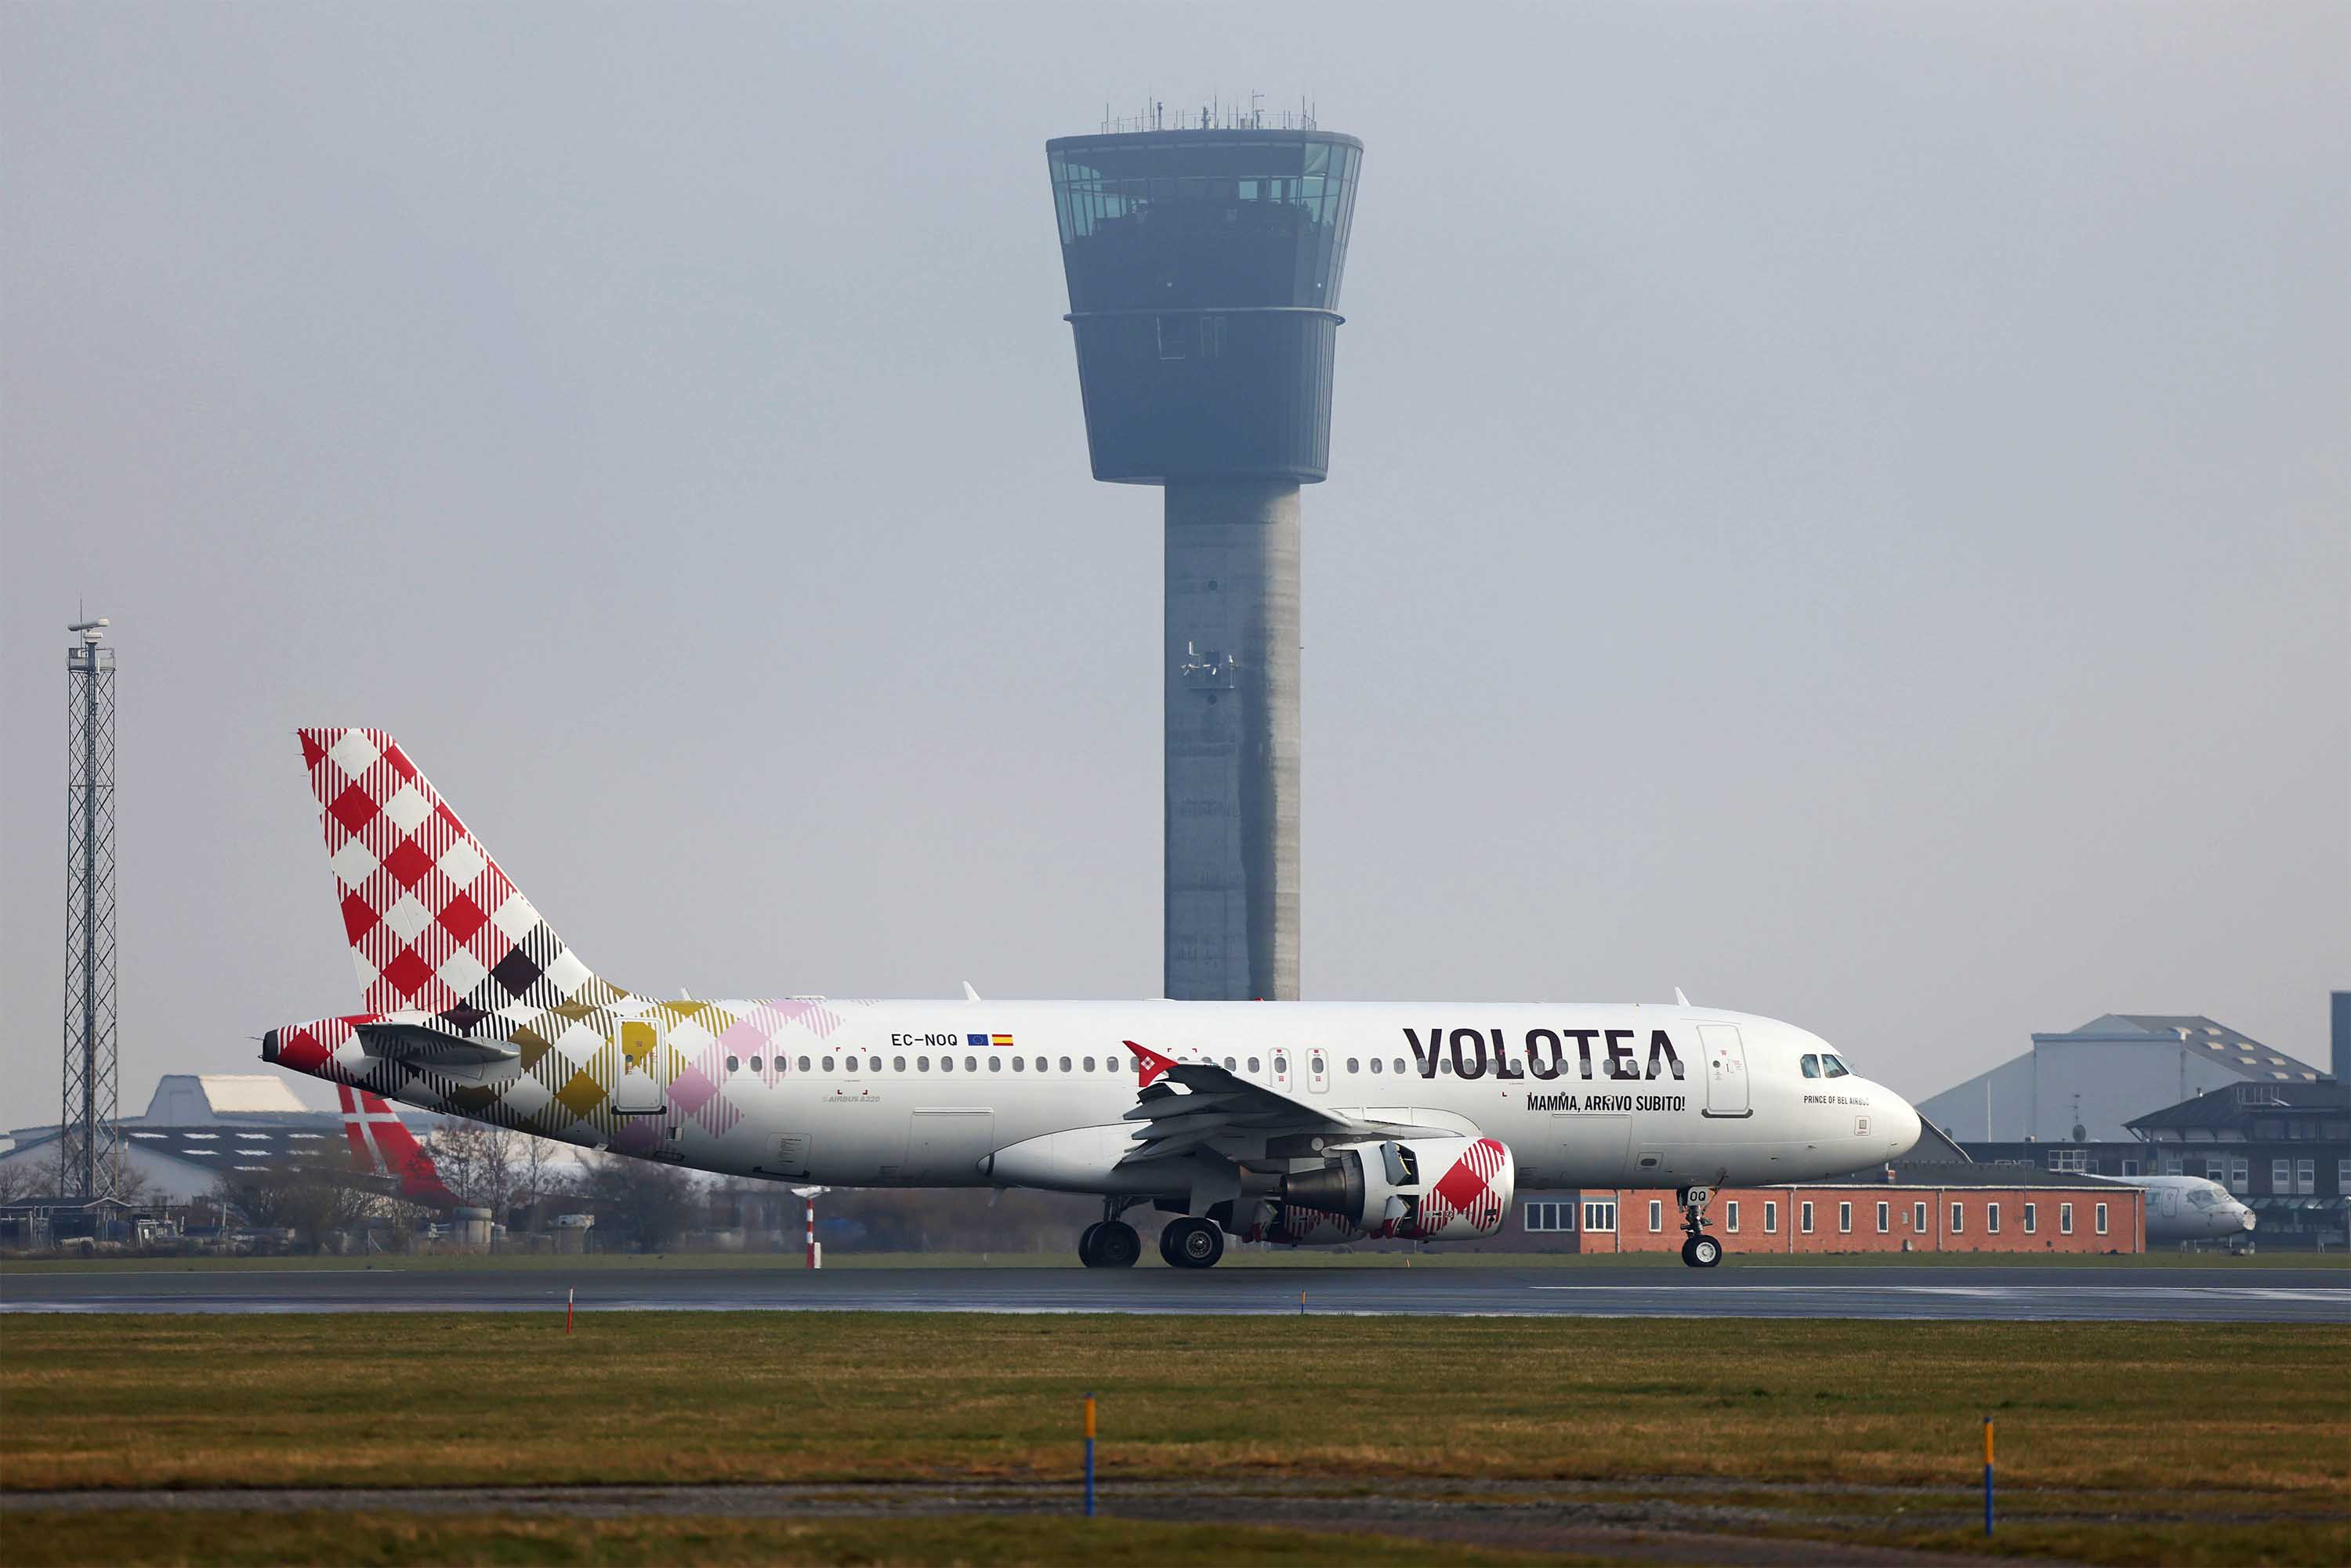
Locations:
{"points": [[1726, 1070]]}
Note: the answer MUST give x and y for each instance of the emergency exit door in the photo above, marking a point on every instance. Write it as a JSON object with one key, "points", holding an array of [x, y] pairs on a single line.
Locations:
{"points": [[1726, 1070]]}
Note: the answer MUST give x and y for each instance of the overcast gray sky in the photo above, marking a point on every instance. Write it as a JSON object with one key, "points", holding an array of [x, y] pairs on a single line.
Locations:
{"points": [[1840, 509]]}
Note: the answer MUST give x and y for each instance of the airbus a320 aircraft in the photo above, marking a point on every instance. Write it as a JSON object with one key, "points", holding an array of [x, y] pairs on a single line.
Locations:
{"points": [[1308, 1123]]}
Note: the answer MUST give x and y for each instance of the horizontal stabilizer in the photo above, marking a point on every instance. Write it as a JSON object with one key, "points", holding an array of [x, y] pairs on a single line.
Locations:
{"points": [[431, 1047]]}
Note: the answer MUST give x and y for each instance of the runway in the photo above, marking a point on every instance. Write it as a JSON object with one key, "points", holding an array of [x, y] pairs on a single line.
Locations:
{"points": [[1989, 1292]]}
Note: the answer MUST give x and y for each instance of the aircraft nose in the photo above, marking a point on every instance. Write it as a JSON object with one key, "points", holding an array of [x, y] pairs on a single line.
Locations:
{"points": [[1902, 1129], [2246, 1217]]}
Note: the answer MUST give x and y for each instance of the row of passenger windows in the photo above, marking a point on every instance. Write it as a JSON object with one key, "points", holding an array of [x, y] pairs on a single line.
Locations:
{"points": [[850, 1063], [853, 1063]]}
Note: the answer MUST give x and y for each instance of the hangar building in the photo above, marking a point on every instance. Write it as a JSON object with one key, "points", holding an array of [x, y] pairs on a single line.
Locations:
{"points": [[2100, 1075], [198, 1124]]}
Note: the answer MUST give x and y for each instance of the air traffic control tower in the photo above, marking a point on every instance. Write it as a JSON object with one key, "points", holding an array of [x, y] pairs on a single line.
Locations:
{"points": [[1204, 267]]}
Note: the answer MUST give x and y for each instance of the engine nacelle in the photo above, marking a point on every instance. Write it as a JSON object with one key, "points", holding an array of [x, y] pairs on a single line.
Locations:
{"points": [[1420, 1189]]}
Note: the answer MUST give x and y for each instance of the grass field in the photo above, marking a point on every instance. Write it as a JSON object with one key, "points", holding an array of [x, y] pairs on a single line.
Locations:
{"points": [[2118, 1443]]}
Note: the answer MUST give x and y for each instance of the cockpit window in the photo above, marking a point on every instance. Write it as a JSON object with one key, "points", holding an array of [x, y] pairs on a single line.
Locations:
{"points": [[1811, 1066], [2200, 1198], [1832, 1067]]}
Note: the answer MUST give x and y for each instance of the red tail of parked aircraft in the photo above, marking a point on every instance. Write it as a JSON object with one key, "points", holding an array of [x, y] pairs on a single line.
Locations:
{"points": [[381, 1143]]}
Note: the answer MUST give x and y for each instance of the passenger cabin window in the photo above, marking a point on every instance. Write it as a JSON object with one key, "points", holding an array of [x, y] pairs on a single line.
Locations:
{"points": [[1090, 1063], [922, 1064], [734, 1064], [1065, 1064], [755, 1064], [1376, 1064], [1399, 1066], [803, 1064], [897, 1064], [996, 1064], [828, 1064], [1811, 1065], [1350, 1065], [1253, 1067]]}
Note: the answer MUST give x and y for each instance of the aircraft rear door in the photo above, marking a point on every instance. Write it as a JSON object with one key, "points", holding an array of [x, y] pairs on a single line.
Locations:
{"points": [[1726, 1070], [634, 1091]]}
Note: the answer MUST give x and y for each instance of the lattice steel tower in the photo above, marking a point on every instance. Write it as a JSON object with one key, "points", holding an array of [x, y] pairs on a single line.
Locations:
{"points": [[1204, 264], [89, 1144]]}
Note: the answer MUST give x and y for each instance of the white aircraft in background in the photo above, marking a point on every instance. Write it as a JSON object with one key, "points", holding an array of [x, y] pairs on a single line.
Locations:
{"points": [[2189, 1209], [1308, 1123]]}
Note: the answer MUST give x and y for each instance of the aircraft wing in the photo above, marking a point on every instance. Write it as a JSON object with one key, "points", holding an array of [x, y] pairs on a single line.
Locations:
{"points": [[1222, 1110]]}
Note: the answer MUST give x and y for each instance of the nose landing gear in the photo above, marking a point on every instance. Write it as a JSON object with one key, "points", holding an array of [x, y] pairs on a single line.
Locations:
{"points": [[1699, 1250]]}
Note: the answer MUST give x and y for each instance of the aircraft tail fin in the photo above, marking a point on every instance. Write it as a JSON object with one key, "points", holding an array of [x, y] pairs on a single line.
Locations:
{"points": [[434, 924], [382, 1144]]}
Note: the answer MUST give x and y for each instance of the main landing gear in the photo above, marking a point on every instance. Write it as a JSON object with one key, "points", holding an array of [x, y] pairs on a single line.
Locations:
{"points": [[1110, 1242], [1699, 1250], [1191, 1242]]}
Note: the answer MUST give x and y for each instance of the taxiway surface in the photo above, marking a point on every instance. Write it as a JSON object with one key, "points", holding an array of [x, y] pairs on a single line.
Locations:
{"points": [[1987, 1293]]}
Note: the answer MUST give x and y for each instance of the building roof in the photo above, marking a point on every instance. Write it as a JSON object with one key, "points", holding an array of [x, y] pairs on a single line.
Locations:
{"points": [[2215, 1043], [193, 1098], [2246, 1101]]}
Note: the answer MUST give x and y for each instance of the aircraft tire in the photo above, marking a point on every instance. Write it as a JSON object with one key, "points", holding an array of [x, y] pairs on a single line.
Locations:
{"points": [[1702, 1252], [1089, 1240], [1192, 1242], [1117, 1247]]}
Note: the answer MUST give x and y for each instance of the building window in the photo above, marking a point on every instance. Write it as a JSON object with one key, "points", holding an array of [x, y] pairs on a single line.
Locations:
{"points": [[2280, 1177], [2306, 1177], [1804, 1218], [1958, 1220], [2343, 1178], [1175, 337], [1656, 1216], [2241, 1178], [1885, 1218], [2064, 1220], [2069, 1159], [2032, 1217], [1730, 1215], [1991, 1219], [2099, 1215], [1919, 1218], [1212, 337], [2171, 1164], [1600, 1216], [1845, 1218], [2130, 1168], [1771, 1219], [1546, 1216]]}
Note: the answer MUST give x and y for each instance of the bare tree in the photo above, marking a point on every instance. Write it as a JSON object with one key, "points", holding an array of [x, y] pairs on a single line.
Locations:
{"points": [[646, 1200], [477, 1162]]}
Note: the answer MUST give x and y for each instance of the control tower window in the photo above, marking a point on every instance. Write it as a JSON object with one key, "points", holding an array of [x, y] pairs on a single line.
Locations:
{"points": [[1175, 337]]}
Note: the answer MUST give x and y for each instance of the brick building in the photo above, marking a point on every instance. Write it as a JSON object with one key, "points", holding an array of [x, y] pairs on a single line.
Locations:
{"points": [[1939, 1209]]}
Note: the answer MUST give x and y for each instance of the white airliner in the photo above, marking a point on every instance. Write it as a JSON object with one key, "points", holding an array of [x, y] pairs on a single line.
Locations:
{"points": [[1299, 1122], [2189, 1209]]}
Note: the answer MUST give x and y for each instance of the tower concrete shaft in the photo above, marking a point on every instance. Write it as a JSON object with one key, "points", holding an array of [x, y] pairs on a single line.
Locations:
{"points": [[1204, 264], [1232, 739], [89, 1151]]}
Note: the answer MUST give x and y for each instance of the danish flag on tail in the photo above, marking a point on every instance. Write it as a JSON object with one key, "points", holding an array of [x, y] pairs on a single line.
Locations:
{"points": [[382, 1146]]}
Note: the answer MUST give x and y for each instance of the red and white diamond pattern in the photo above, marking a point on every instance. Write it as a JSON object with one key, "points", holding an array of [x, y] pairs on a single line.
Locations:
{"points": [[434, 924]]}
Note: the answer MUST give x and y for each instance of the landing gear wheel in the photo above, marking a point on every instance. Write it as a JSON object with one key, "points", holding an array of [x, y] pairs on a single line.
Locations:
{"points": [[1192, 1242], [1116, 1245], [1087, 1238], [1700, 1250]]}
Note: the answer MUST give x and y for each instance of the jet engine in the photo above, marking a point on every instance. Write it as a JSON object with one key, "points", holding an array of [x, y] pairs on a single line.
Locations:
{"points": [[1423, 1189]]}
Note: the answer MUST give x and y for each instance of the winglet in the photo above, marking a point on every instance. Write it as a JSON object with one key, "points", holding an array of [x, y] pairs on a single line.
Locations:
{"points": [[1155, 1066], [969, 994], [1683, 1000]]}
